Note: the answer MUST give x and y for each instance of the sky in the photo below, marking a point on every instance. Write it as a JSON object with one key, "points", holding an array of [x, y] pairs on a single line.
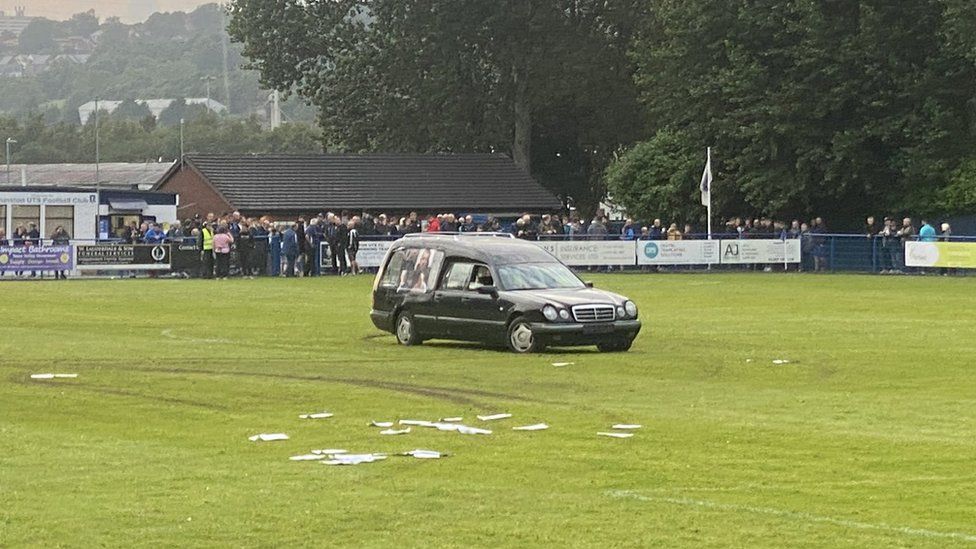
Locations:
{"points": [[130, 11]]}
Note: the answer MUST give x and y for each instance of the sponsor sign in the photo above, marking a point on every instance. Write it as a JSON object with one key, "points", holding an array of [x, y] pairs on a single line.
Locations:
{"points": [[677, 252], [36, 258], [123, 257], [372, 252], [591, 252], [953, 255], [741, 252]]}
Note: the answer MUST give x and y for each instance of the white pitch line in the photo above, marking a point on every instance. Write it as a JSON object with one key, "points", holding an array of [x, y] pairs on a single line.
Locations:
{"points": [[797, 515]]}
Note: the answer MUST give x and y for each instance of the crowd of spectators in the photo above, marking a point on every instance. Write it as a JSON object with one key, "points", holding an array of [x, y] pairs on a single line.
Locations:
{"points": [[246, 246]]}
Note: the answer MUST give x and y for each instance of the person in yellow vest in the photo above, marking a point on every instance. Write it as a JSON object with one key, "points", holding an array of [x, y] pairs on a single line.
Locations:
{"points": [[206, 251]]}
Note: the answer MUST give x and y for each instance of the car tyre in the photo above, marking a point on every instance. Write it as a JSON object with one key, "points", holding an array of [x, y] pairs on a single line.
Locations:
{"points": [[520, 338], [615, 346], [405, 330]]}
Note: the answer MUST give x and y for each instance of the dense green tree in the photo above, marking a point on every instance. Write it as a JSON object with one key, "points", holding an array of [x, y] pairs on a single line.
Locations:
{"points": [[546, 81], [813, 105], [129, 109], [38, 36]]}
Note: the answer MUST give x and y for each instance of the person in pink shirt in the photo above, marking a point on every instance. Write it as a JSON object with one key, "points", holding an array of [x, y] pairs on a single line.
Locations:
{"points": [[221, 246]]}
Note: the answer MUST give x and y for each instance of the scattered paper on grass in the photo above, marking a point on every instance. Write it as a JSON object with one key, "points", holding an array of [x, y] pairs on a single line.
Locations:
{"points": [[465, 430], [353, 459], [452, 419], [781, 361], [308, 457], [562, 364], [425, 454], [268, 437], [626, 426], [381, 423], [616, 435], [395, 431], [446, 426], [317, 415], [52, 376], [536, 427], [417, 422], [329, 451], [493, 417]]}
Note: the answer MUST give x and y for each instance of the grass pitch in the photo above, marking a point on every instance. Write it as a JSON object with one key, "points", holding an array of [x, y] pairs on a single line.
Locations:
{"points": [[866, 438]]}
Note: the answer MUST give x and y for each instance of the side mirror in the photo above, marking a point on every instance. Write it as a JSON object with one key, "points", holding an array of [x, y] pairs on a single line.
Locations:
{"points": [[488, 290], [588, 284]]}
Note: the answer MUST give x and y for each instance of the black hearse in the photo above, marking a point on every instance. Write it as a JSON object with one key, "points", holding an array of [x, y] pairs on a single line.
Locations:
{"points": [[495, 289]]}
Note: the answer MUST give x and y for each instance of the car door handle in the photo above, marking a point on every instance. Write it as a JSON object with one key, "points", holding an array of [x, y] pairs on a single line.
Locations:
{"points": [[438, 297], [467, 299]]}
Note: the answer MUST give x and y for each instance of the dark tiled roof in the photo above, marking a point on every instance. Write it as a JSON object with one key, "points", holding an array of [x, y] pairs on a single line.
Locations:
{"points": [[428, 182]]}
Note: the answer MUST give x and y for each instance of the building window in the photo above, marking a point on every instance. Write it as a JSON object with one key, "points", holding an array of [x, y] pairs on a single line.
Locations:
{"points": [[59, 216], [3, 219], [24, 216]]}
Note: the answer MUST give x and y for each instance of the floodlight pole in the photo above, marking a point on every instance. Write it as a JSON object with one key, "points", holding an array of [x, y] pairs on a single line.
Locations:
{"points": [[98, 152], [181, 142], [10, 141]]}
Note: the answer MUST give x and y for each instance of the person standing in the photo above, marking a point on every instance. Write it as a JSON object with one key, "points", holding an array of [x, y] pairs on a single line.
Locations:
{"points": [[206, 250], [905, 234], [353, 246], [60, 237], [222, 242], [927, 232], [342, 245], [290, 249], [302, 244], [33, 239], [274, 248]]}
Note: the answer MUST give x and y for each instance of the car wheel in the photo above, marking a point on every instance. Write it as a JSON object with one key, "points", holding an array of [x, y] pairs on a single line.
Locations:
{"points": [[406, 330], [616, 346], [521, 339]]}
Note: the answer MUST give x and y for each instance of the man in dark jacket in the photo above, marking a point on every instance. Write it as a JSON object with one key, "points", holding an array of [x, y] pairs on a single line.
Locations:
{"points": [[342, 245], [290, 249]]}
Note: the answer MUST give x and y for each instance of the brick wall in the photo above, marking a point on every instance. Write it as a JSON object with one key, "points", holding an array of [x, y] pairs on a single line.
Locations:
{"points": [[196, 196]]}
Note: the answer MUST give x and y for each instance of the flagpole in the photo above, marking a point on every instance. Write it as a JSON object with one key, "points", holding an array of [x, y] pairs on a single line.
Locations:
{"points": [[709, 197]]}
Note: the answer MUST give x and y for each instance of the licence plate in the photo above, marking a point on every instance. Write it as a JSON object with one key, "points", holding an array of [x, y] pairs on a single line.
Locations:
{"points": [[598, 329]]}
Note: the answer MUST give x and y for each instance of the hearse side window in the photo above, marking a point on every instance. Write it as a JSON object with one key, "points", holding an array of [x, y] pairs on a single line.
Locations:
{"points": [[418, 269], [457, 276], [391, 275], [480, 277]]}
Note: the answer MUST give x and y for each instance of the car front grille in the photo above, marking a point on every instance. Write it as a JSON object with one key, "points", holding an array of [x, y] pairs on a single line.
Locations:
{"points": [[593, 313]]}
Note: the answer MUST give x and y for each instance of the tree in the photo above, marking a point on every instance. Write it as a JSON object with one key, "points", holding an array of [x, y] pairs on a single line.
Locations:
{"points": [[83, 24], [130, 110], [548, 82], [38, 36], [657, 179], [812, 106]]}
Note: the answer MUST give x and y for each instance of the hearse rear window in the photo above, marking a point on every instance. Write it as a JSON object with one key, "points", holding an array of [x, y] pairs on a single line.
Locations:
{"points": [[413, 269]]}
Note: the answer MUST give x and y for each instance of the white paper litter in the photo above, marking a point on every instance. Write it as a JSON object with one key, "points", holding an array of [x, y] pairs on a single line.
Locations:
{"points": [[535, 427], [52, 376], [308, 457], [446, 426], [561, 364], [781, 361], [626, 426], [417, 422], [465, 430], [268, 437], [317, 415], [329, 451], [424, 454], [381, 423], [395, 432], [616, 435], [493, 417], [452, 419], [354, 459]]}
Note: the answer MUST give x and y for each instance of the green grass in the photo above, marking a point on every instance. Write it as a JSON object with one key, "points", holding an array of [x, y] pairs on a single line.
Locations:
{"points": [[865, 439]]}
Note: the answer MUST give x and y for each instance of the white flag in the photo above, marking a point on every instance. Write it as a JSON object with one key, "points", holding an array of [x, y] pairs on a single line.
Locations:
{"points": [[706, 181]]}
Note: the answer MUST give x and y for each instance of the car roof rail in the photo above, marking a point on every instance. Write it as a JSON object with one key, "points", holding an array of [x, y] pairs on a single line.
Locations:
{"points": [[457, 235]]}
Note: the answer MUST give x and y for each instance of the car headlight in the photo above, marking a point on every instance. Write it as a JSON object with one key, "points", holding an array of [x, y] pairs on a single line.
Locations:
{"points": [[631, 308], [550, 312], [564, 314]]}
